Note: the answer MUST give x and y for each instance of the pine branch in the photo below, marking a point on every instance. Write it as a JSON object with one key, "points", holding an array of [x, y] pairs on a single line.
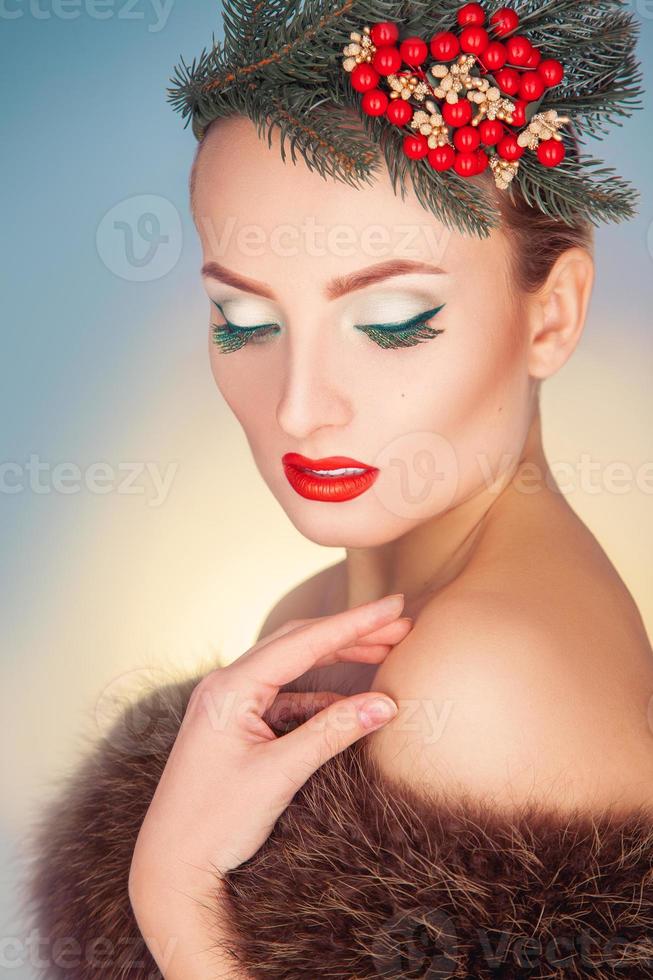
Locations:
{"points": [[595, 40], [306, 45], [427, 19], [586, 188], [455, 202], [250, 25], [186, 94], [536, 14], [601, 92], [281, 65], [328, 142]]}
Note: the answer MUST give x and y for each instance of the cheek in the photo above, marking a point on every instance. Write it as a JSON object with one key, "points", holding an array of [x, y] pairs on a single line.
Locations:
{"points": [[471, 393], [487, 415], [238, 378]]}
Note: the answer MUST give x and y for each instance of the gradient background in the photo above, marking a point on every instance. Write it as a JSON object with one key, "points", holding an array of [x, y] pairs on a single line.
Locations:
{"points": [[102, 590]]}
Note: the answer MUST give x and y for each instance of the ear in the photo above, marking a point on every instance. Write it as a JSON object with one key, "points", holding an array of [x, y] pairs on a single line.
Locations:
{"points": [[557, 312]]}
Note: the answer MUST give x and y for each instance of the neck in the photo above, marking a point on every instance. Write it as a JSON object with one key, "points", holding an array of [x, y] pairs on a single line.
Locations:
{"points": [[426, 558]]}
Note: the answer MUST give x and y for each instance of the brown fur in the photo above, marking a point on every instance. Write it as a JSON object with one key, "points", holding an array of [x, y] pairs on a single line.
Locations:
{"points": [[361, 877]]}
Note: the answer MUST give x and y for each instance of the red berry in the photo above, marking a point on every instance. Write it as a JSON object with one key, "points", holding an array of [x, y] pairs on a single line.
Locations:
{"points": [[509, 148], [442, 157], [551, 72], [387, 60], [466, 139], [505, 21], [364, 77], [374, 102], [518, 49], [384, 33], [399, 112], [413, 50], [445, 46], [457, 114], [416, 146], [508, 80], [534, 58], [474, 40], [465, 164], [551, 153], [490, 131], [472, 14], [518, 114], [494, 56], [531, 87], [482, 161]]}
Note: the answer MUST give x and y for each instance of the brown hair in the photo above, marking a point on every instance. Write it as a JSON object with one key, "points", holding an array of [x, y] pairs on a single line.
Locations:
{"points": [[536, 239]]}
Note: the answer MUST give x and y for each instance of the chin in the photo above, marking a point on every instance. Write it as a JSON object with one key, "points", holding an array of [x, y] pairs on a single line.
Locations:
{"points": [[344, 525]]}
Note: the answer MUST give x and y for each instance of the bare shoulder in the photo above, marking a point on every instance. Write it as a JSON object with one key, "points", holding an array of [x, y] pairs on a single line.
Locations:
{"points": [[304, 601], [498, 701]]}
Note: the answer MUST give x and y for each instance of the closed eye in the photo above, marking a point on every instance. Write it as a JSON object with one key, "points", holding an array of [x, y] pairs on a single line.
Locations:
{"points": [[230, 337], [406, 333]]}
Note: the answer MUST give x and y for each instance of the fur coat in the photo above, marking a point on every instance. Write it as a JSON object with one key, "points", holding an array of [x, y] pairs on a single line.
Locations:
{"points": [[361, 877]]}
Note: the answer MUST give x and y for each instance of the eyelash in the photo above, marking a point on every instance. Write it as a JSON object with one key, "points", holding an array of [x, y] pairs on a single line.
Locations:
{"points": [[230, 338]]}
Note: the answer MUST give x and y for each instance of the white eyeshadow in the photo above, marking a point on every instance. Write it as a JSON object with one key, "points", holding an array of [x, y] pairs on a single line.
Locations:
{"points": [[245, 311], [391, 306], [380, 306]]}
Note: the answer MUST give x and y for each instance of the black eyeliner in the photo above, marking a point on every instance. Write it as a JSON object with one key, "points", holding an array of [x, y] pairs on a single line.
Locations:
{"points": [[405, 325]]}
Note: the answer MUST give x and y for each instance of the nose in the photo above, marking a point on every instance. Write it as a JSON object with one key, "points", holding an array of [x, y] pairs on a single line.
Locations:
{"points": [[315, 390]]}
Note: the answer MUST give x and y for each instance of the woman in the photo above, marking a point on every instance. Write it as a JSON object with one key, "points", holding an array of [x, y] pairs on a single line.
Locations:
{"points": [[386, 368]]}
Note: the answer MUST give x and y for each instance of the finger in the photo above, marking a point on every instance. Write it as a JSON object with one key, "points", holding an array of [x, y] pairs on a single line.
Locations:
{"points": [[363, 654], [375, 644], [287, 657], [302, 751], [385, 634]]}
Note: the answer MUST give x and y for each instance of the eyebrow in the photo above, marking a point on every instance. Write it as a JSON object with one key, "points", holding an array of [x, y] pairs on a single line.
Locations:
{"points": [[335, 287]]}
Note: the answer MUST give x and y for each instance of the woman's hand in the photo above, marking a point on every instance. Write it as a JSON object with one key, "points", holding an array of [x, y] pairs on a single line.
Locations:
{"points": [[228, 777]]}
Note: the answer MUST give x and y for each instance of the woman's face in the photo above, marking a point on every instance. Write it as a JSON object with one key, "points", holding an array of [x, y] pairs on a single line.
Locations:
{"points": [[348, 322]]}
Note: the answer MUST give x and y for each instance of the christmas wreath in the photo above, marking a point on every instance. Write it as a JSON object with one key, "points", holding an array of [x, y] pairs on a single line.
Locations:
{"points": [[444, 91]]}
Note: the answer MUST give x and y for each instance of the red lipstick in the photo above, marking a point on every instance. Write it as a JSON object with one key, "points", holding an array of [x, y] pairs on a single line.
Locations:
{"points": [[332, 485]]}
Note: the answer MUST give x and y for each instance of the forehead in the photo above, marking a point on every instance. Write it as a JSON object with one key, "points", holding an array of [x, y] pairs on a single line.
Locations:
{"points": [[252, 210]]}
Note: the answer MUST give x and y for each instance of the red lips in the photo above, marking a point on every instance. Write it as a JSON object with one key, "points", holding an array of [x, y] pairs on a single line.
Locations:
{"points": [[334, 489]]}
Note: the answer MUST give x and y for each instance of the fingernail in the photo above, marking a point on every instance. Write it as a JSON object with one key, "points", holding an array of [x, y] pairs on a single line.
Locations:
{"points": [[377, 711]]}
